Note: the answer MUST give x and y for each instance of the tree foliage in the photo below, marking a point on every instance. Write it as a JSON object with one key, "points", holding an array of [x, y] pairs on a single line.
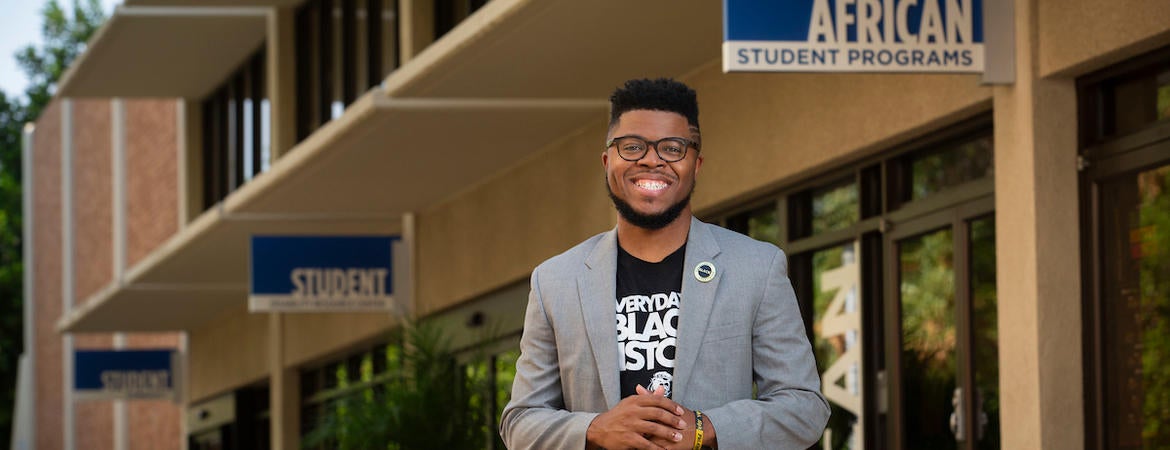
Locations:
{"points": [[64, 35]]}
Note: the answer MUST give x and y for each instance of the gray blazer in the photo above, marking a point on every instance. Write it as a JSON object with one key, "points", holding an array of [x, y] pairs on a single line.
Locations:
{"points": [[743, 326]]}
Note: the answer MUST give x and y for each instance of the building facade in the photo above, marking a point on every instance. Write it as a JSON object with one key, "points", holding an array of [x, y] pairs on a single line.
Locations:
{"points": [[979, 266]]}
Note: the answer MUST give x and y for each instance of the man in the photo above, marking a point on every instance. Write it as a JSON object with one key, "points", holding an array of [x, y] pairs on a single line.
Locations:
{"points": [[702, 313]]}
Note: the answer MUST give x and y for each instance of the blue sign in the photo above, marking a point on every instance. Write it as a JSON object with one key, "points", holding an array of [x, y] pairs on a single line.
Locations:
{"points": [[853, 36], [123, 374], [315, 273]]}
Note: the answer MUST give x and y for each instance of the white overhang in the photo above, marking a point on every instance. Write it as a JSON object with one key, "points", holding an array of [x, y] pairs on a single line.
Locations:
{"points": [[512, 80], [163, 51]]}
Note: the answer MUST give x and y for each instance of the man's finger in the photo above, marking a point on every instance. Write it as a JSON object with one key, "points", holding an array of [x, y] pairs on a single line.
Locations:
{"points": [[654, 430], [664, 417], [659, 401], [641, 442]]}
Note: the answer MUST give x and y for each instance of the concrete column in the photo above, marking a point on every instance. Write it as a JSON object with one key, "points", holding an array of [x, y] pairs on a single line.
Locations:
{"points": [[190, 161], [28, 432], [281, 81], [417, 27], [1038, 280], [283, 391], [67, 274]]}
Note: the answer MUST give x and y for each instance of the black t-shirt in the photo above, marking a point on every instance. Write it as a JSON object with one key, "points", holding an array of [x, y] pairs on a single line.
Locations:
{"points": [[647, 319]]}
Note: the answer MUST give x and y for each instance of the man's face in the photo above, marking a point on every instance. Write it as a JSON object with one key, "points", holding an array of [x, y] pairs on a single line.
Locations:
{"points": [[650, 192]]}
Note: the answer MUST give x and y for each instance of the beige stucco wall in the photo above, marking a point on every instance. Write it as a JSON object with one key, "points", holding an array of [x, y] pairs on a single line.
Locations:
{"points": [[760, 131], [494, 235], [307, 337], [227, 353], [763, 131], [1077, 36]]}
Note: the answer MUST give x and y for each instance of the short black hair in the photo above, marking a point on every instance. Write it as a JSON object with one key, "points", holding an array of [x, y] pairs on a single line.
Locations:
{"points": [[662, 94]]}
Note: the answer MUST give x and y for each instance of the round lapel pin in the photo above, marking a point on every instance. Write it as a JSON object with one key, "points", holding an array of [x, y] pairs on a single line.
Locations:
{"points": [[705, 272]]}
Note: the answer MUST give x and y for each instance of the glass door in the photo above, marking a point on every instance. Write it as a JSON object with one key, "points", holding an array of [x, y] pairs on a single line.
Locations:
{"points": [[1125, 257], [942, 349], [1134, 314]]}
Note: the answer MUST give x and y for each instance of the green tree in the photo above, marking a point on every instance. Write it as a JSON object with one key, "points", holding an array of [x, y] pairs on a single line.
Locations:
{"points": [[64, 36], [11, 263]]}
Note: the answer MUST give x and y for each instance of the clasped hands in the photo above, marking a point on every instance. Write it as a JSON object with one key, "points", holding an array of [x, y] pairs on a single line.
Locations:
{"points": [[647, 420]]}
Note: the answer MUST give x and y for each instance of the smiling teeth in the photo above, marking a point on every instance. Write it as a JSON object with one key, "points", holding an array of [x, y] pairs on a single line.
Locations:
{"points": [[651, 185]]}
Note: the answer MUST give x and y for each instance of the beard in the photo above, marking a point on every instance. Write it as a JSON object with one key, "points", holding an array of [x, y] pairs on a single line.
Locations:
{"points": [[649, 221]]}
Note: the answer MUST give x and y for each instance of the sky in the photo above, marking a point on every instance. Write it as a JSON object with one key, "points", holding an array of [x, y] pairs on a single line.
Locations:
{"points": [[20, 25]]}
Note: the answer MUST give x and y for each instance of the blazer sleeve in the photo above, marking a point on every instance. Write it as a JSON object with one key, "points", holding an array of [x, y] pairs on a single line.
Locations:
{"points": [[535, 417], [790, 412]]}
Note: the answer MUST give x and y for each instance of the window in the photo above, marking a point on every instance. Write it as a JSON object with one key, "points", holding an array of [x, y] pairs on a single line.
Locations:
{"points": [[335, 386], [343, 387], [901, 321], [344, 47], [762, 223], [497, 371], [940, 167], [236, 121], [449, 13], [1129, 98]]}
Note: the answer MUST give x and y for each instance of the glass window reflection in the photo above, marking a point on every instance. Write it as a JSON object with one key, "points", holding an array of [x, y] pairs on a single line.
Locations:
{"points": [[952, 166], [1136, 312], [927, 298], [835, 206], [837, 341]]}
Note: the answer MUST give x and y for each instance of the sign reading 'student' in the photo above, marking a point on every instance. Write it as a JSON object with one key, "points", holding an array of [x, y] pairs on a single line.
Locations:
{"points": [[323, 273], [124, 374]]}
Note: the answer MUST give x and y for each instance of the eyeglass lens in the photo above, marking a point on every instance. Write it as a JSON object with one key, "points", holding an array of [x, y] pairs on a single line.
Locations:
{"points": [[633, 148]]}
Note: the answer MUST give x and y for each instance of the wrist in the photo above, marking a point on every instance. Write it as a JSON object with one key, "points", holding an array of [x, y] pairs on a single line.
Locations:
{"points": [[591, 435], [699, 435], [709, 441]]}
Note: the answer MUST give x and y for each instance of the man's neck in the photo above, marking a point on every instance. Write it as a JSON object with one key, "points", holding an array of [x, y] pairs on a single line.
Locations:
{"points": [[654, 245]]}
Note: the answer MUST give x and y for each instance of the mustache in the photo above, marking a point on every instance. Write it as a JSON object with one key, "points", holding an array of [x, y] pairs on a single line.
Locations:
{"points": [[662, 173]]}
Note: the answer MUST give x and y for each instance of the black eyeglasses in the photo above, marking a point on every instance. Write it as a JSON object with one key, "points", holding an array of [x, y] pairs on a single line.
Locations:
{"points": [[669, 149]]}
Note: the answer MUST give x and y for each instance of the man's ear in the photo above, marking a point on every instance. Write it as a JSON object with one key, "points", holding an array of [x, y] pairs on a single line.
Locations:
{"points": [[605, 159], [698, 163]]}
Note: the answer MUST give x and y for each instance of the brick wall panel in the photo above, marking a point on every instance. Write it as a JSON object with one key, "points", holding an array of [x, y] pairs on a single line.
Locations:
{"points": [[154, 425], [93, 253], [92, 198], [46, 241], [152, 186]]}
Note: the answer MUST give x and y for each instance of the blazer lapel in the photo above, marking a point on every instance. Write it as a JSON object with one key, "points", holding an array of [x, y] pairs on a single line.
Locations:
{"points": [[596, 288], [698, 298]]}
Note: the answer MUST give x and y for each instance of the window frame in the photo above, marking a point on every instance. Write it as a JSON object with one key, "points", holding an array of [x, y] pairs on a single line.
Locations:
{"points": [[1103, 157]]}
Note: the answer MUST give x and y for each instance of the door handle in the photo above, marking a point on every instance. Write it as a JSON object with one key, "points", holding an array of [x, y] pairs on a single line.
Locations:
{"points": [[982, 418], [956, 422]]}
